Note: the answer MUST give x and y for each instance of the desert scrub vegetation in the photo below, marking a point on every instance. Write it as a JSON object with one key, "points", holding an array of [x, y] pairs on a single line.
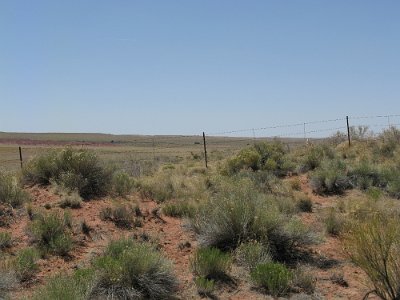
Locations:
{"points": [[5, 240], [238, 213], [179, 209], [71, 200], [78, 286], [25, 263], [73, 169], [275, 278], [261, 156], [11, 192], [373, 244], [122, 184], [132, 270], [252, 253], [179, 183], [122, 215], [210, 263], [330, 178], [51, 233]]}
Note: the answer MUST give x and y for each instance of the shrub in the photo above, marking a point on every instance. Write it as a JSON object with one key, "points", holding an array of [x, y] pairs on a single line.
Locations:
{"points": [[334, 224], [25, 263], [365, 175], [5, 240], [210, 263], [314, 157], [159, 187], [251, 254], [204, 286], [179, 209], [304, 204], [295, 184], [79, 286], [304, 280], [131, 270], [73, 200], [73, 169], [10, 191], [330, 178], [374, 246], [274, 277], [262, 156], [8, 281], [121, 215], [238, 213], [122, 184], [51, 234]]}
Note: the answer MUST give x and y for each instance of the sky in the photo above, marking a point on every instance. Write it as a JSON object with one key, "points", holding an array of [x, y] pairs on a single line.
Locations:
{"points": [[184, 67]]}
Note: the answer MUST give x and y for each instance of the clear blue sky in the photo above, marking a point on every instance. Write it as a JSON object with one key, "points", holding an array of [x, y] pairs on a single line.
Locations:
{"points": [[183, 67]]}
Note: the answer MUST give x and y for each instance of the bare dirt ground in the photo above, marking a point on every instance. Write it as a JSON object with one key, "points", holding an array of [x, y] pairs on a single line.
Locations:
{"points": [[337, 277]]}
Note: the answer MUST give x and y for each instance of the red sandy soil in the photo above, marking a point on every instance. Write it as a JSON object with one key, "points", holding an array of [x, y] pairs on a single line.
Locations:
{"points": [[177, 243]]}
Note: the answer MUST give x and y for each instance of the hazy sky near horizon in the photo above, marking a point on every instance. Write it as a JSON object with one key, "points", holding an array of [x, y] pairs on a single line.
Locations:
{"points": [[183, 67]]}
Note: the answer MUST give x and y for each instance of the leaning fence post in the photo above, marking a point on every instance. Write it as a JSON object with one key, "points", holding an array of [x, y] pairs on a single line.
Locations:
{"points": [[205, 149], [348, 130], [20, 155]]}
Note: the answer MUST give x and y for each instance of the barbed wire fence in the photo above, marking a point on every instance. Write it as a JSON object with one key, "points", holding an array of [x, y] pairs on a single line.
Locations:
{"points": [[145, 149]]}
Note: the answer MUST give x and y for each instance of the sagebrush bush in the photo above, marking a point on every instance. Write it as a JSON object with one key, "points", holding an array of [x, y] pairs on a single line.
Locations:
{"points": [[251, 254], [304, 279], [122, 184], [71, 200], [365, 175], [261, 156], [204, 286], [179, 209], [314, 156], [5, 240], [132, 270], [274, 277], [79, 286], [374, 246], [304, 204], [330, 178], [51, 233], [334, 223], [8, 281], [122, 215], [210, 263], [159, 187], [26, 263], [238, 213], [72, 169], [10, 191]]}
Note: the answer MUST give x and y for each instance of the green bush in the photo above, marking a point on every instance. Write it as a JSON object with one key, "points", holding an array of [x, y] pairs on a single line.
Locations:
{"points": [[122, 215], [365, 175], [238, 213], [5, 240], [25, 263], [205, 287], [274, 277], [334, 224], [73, 169], [374, 246], [251, 254], [210, 263], [122, 184], [80, 286], [10, 191], [72, 200], [261, 156], [304, 279], [330, 178], [314, 156], [304, 204], [159, 187], [131, 270], [179, 209], [51, 233], [8, 281]]}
